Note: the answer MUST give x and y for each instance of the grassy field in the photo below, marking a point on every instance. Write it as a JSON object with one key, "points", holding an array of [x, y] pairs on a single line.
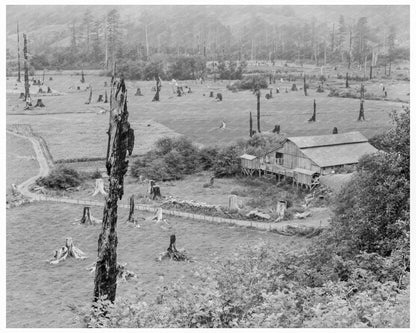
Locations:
{"points": [[38, 294], [21, 162], [74, 129]]}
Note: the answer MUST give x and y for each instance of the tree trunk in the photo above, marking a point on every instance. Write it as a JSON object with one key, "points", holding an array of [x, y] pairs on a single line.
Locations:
{"points": [[120, 133], [361, 115], [43, 77], [304, 85], [90, 97], [258, 110], [18, 53], [26, 68], [251, 125], [346, 81], [131, 211], [158, 85], [82, 77]]}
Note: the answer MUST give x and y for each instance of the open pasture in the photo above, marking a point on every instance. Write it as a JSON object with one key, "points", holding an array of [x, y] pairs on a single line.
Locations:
{"points": [[39, 294], [74, 129]]}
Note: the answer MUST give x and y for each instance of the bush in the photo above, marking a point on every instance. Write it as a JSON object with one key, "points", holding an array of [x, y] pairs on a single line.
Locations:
{"points": [[60, 178], [227, 163], [253, 82]]}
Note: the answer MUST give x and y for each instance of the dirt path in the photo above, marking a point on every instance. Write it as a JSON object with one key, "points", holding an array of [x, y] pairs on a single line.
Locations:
{"points": [[43, 165]]}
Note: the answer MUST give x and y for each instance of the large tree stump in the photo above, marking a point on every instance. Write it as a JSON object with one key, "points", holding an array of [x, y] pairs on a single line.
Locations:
{"points": [[49, 90], [40, 91], [99, 187], [294, 88], [105, 97], [39, 103], [100, 98], [233, 203], [22, 96], [280, 210], [68, 250], [211, 94], [335, 130], [219, 97], [154, 190], [158, 215]]}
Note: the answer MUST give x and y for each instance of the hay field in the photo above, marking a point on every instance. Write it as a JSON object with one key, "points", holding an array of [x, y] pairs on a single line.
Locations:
{"points": [[39, 294], [74, 129]]}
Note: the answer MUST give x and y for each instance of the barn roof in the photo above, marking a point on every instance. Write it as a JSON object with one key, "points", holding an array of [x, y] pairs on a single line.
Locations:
{"points": [[248, 157], [328, 140], [340, 154]]}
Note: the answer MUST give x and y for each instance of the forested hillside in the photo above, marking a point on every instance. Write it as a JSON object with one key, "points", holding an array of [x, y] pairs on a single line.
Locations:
{"points": [[92, 36]]}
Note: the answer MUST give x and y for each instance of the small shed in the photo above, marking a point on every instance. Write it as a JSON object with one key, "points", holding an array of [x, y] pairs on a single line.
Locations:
{"points": [[249, 164]]}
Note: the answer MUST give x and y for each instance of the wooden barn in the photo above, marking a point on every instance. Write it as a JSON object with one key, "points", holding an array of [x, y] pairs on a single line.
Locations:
{"points": [[305, 158]]}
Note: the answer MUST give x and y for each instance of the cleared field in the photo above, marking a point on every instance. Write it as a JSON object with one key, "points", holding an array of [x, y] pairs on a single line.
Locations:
{"points": [[38, 294], [21, 162], [79, 132]]}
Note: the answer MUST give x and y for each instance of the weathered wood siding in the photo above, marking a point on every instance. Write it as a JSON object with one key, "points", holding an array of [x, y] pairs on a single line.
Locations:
{"points": [[294, 158], [253, 164], [303, 178]]}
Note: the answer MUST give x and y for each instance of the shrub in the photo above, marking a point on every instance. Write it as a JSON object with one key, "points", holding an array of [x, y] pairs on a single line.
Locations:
{"points": [[60, 178], [227, 163], [253, 82]]}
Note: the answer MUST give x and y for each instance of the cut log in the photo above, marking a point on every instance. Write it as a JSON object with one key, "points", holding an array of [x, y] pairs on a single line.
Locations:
{"points": [[233, 203], [99, 187], [69, 250], [39, 103], [280, 210]]}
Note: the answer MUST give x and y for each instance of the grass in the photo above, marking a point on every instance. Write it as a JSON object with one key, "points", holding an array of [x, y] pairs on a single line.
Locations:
{"points": [[21, 162], [38, 294], [197, 116]]}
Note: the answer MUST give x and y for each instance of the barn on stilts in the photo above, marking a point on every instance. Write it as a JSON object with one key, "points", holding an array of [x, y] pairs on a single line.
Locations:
{"points": [[304, 159]]}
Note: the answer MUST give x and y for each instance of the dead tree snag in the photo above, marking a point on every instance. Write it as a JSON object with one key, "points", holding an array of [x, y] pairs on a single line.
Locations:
{"points": [[119, 132], [251, 125], [26, 68], [313, 118], [158, 86], [361, 114], [305, 87], [90, 96]]}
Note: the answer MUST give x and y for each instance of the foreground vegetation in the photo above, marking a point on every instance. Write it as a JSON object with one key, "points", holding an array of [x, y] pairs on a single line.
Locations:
{"points": [[356, 274]]}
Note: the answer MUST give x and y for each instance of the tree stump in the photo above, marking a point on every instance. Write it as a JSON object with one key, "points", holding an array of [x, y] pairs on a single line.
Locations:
{"points": [[49, 90], [100, 98], [138, 92], [361, 114], [39, 103], [40, 91], [172, 253], [313, 118], [105, 83], [82, 77], [158, 86], [78, 88], [294, 88], [50, 78], [276, 129], [178, 92], [68, 250], [99, 187], [233, 203], [277, 90], [267, 96], [86, 216], [305, 86], [22, 96], [211, 94], [280, 210], [90, 96], [131, 210], [335, 130], [158, 215], [105, 97], [219, 97], [346, 81]]}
